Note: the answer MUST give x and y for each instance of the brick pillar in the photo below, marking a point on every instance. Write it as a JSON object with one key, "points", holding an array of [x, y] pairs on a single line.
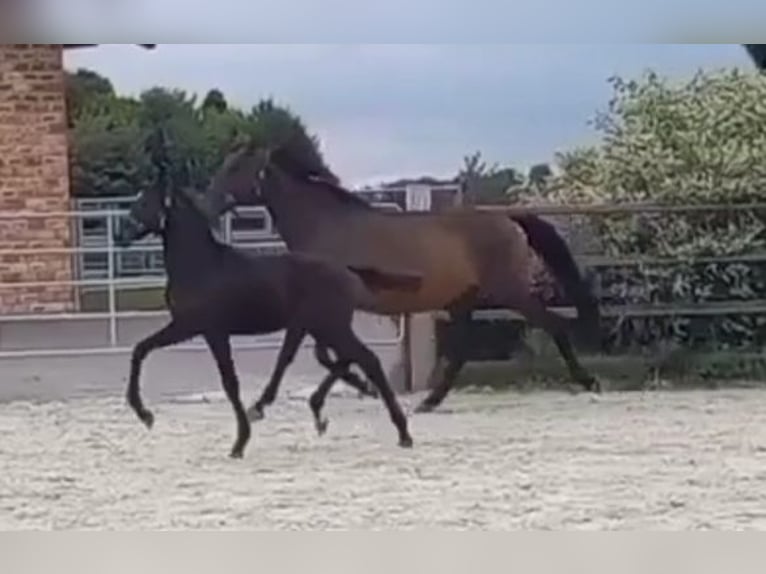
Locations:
{"points": [[34, 177]]}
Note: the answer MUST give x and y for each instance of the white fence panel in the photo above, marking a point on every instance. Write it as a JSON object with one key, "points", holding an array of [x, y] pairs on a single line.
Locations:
{"points": [[101, 269]]}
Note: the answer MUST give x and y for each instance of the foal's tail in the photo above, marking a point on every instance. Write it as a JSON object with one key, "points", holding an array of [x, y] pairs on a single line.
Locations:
{"points": [[546, 241]]}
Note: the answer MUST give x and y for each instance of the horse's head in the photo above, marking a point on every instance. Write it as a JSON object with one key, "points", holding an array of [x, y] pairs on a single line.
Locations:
{"points": [[237, 180]]}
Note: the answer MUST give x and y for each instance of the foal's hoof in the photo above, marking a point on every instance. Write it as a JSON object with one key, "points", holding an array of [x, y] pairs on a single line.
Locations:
{"points": [[321, 426], [594, 386], [255, 413], [147, 418], [574, 388], [424, 407], [236, 453], [406, 442]]}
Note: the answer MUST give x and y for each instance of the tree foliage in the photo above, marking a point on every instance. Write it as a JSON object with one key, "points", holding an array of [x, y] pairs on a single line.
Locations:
{"points": [[109, 132], [488, 184]]}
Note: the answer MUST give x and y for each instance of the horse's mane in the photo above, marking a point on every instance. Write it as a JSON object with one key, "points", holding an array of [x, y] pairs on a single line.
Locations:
{"points": [[308, 168]]}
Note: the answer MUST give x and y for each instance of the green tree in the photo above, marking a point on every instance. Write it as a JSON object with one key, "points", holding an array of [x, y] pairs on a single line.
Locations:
{"points": [[107, 161], [539, 174], [109, 134], [85, 89], [106, 156], [485, 183]]}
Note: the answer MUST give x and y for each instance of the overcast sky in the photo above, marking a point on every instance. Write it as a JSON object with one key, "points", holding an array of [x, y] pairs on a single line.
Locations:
{"points": [[391, 110]]}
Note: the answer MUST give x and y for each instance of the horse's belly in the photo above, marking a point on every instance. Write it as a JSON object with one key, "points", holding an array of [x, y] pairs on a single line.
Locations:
{"points": [[435, 293]]}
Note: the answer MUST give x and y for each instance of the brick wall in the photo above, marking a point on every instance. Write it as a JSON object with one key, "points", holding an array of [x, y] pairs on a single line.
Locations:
{"points": [[33, 177]]}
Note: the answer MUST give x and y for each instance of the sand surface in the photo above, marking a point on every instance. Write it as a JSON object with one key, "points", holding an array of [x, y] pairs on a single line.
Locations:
{"points": [[669, 460]]}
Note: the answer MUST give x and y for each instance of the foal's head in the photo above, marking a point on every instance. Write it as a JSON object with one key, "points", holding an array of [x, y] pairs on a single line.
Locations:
{"points": [[154, 208], [147, 216]]}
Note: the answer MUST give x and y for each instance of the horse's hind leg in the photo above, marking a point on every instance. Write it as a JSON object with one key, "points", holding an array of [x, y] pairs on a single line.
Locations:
{"points": [[292, 342], [455, 354], [576, 370], [455, 359], [221, 348], [556, 326]]}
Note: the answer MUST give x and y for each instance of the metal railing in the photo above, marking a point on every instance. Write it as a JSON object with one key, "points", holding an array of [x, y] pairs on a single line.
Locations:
{"points": [[93, 238], [111, 283], [114, 279]]}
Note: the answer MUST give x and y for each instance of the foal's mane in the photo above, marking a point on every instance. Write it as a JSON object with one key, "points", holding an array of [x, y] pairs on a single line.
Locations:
{"points": [[310, 171]]}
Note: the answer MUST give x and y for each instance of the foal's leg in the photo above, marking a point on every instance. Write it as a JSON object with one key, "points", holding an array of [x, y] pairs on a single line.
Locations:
{"points": [[171, 334], [317, 399], [348, 347], [220, 347], [343, 373], [337, 369], [290, 346]]}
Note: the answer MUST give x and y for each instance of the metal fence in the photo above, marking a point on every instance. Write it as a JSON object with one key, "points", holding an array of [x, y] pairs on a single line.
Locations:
{"points": [[252, 229], [101, 267]]}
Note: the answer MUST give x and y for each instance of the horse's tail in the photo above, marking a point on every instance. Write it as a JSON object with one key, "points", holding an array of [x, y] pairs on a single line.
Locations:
{"points": [[545, 240]]}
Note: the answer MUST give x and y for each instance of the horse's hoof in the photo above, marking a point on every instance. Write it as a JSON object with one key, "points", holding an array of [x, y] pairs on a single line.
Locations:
{"points": [[255, 413], [424, 407], [321, 426], [147, 418], [406, 442], [236, 454]]}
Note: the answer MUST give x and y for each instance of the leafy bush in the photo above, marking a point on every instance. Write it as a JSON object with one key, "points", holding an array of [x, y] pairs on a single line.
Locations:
{"points": [[702, 141]]}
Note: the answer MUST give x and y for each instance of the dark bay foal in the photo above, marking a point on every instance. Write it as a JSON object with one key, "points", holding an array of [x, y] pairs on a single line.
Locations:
{"points": [[216, 291]]}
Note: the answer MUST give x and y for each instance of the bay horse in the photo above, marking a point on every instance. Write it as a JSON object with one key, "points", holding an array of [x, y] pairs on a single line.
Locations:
{"points": [[215, 291], [465, 257]]}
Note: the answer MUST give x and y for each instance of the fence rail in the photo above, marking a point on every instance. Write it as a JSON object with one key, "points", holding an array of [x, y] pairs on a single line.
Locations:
{"points": [[621, 208], [756, 306], [111, 276], [111, 283]]}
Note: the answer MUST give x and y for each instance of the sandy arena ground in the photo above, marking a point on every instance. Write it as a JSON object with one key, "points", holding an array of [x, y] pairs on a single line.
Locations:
{"points": [[669, 460]]}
